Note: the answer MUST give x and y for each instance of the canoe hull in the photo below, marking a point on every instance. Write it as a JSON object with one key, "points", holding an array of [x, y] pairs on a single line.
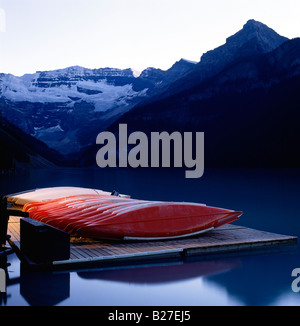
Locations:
{"points": [[158, 230], [103, 216]]}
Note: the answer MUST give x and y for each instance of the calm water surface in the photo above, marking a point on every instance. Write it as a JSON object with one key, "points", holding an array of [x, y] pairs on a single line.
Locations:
{"points": [[269, 199]]}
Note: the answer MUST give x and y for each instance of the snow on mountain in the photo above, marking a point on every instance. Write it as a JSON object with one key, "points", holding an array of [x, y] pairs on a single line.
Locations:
{"points": [[69, 86], [67, 108]]}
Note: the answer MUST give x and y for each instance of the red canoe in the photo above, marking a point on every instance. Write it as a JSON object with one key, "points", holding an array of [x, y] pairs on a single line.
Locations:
{"points": [[104, 216]]}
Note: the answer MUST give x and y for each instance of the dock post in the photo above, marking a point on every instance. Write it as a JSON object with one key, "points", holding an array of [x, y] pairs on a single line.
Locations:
{"points": [[4, 217]]}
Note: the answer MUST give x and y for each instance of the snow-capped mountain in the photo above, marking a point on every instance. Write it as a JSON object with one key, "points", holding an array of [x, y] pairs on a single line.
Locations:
{"points": [[240, 94], [99, 87], [67, 108]]}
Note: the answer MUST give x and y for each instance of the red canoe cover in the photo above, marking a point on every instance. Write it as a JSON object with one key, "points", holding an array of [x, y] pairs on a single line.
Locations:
{"points": [[111, 217]]}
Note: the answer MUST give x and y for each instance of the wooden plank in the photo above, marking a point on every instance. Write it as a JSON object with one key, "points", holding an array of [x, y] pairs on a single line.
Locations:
{"points": [[224, 239], [121, 258], [238, 239]]}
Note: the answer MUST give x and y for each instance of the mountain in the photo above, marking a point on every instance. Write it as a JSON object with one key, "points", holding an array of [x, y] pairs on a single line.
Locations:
{"points": [[67, 108], [243, 95], [19, 149], [253, 39], [161, 78]]}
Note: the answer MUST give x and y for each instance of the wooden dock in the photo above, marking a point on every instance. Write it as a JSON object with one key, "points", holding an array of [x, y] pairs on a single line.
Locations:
{"points": [[229, 238]]}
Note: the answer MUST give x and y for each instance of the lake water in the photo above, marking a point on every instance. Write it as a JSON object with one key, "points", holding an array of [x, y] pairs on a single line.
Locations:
{"points": [[269, 199]]}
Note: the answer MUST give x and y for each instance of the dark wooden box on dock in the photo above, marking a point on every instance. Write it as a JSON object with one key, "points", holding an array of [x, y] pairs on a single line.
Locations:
{"points": [[43, 243]]}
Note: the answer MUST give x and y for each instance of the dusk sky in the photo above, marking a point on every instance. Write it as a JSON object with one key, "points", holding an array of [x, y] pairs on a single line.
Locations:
{"points": [[52, 34]]}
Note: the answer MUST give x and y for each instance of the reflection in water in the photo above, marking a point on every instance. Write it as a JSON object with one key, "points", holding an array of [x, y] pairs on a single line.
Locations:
{"points": [[4, 276], [262, 279], [161, 273], [252, 279], [44, 288], [268, 197]]}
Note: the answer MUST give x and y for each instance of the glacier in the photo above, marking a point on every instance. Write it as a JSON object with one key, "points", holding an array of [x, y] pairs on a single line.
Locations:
{"points": [[66, 108], [100, 93]]}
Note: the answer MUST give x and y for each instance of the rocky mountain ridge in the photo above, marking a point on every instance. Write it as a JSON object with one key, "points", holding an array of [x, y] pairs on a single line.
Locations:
{"points": [[242, 94], [67, 108]]}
